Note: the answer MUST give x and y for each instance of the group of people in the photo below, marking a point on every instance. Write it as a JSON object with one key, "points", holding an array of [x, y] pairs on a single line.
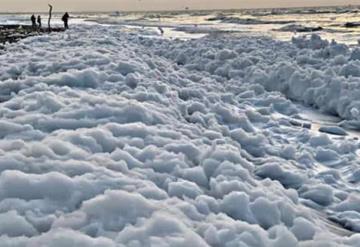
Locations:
{"points": [[33, 21], [37, 20]]}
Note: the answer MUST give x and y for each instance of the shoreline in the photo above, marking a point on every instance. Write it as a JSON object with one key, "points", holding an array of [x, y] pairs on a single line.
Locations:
{"points": [[14, 33]]}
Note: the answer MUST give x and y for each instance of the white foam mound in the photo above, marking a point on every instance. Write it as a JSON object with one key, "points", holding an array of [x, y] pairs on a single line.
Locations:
{"points": [[321, 74], [110, 138]]}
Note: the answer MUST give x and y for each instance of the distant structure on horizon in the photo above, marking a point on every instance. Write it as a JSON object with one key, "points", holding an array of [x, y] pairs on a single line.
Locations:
{"points": [[116, 13]]}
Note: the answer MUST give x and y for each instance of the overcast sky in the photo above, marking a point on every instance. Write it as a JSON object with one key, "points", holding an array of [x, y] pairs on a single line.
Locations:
{"points": [[112, 5]]}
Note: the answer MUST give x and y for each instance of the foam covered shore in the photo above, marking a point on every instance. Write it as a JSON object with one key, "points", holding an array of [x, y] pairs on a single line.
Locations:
{"points": [[311, 70], [114, 138]]}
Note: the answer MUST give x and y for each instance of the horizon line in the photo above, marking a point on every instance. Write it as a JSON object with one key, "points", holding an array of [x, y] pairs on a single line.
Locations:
{"points": [[184, 10]]}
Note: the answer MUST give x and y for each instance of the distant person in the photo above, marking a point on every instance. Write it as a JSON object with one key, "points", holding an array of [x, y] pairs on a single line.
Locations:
{"points": [[65, 19], [33, 21], [39, 21]]}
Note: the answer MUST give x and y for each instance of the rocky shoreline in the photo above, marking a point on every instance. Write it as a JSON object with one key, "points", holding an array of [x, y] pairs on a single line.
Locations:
{"points": [[14, 33]]}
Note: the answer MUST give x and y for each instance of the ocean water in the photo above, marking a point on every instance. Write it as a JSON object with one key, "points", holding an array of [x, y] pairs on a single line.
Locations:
{"points": [[282, 24]]}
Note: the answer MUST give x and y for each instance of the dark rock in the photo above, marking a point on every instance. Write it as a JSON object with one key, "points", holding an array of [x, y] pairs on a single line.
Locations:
{"points": [[14, 33], [352, 24]]}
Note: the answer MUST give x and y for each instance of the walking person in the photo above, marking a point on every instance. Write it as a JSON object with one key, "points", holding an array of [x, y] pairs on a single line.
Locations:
{"points": [[39, 21], [65, 19], [33, 21]]}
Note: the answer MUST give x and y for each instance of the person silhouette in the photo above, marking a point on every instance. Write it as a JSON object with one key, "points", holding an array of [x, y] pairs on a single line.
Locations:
{"points": [[65, 19], [161, 30], [39, 21], [33, 21]]}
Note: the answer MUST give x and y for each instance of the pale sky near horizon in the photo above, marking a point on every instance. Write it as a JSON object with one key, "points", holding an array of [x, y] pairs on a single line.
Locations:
{"points": [[112, 5]]}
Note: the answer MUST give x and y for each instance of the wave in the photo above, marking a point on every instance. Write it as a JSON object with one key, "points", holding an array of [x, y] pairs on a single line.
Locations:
{"points": [[246, 21]]}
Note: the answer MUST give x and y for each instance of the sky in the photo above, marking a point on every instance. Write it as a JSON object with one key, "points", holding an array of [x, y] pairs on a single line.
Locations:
{"points": [[113, 5]]}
